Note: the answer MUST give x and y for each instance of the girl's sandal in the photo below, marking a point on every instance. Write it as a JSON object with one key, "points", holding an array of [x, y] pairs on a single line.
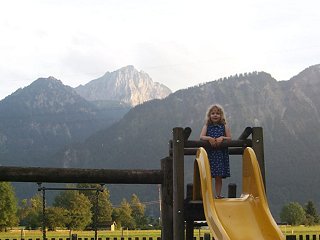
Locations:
{"points": [[219, 197]]}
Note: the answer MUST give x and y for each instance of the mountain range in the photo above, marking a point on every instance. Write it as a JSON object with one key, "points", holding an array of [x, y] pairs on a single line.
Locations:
{"points": [[45, 116], [288, 111]]}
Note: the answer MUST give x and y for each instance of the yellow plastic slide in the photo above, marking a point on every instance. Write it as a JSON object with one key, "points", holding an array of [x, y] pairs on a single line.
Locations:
{"points": [[244, 218]]}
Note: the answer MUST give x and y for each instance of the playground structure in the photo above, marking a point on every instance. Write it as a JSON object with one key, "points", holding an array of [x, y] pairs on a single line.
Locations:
{"points": [[246, 217], [177, 213]]}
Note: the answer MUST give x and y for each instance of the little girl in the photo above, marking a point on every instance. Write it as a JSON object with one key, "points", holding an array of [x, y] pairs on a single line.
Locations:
{"points": [[216, 131]]}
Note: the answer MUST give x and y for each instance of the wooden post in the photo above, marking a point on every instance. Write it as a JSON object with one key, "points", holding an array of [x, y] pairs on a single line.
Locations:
{"points": [[167, 199], [178, 184], [257, 145], [189, 222]]}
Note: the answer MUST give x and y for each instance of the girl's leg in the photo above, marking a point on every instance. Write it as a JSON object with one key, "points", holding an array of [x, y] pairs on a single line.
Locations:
{"points": [[218, 185]]}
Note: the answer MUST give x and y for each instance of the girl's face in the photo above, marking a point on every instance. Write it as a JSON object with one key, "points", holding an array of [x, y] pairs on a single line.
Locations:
{"points": [[215, 115]]}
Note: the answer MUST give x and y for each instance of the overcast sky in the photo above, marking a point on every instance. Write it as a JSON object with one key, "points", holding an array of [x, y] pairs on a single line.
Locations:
{"points": [[178, 43]]}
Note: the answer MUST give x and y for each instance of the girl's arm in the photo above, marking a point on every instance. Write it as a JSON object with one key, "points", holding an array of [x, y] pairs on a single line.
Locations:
{"points": [[203, 134], [204, 137], [226, 137], [228, 133]]}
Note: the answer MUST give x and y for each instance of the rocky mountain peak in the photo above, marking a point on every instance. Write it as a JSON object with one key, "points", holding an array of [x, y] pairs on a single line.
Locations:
{"points": [[44, 84], [126, 85], [310, 76], [46, 95]]}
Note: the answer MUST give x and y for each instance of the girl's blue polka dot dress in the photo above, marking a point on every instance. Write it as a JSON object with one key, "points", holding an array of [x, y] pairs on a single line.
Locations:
{"points": [[218, 158]]}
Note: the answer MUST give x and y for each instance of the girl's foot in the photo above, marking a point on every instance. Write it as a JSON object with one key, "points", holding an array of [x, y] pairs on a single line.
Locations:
{"points": [[219, 197]]}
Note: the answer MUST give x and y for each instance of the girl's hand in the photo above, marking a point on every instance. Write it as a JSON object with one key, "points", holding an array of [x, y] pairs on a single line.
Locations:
{"points": [[213, 142], [219, 140]]}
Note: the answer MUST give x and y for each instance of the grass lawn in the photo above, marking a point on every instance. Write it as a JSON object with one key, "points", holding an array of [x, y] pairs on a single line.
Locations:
{"points": [[300, 230], [33, 234]]}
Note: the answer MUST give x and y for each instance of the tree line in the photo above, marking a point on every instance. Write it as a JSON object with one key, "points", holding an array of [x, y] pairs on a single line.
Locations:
{"points": [[74, 210]]}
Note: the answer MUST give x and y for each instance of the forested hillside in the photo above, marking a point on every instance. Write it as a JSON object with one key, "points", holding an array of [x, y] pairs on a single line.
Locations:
{"points": [[288, 111]]}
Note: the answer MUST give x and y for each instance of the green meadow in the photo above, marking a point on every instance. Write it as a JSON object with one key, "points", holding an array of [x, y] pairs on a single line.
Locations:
{"points": [[125, 234]]}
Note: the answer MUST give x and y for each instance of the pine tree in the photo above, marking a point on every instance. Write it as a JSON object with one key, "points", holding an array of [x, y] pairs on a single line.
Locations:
{"points": [[125, 215], [104, 210], [312, 216], [30, 213], [78, 207], [138, 212]]}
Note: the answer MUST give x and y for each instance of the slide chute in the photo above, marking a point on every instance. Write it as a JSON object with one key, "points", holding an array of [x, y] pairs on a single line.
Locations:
{"points": [[245, 218]]}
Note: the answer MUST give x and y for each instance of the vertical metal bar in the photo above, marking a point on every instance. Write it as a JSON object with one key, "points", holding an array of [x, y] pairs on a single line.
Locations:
{"points": [[178, 184], [96, 215], [44, 232]]}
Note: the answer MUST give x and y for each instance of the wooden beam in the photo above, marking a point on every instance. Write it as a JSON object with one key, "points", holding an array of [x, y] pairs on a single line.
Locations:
{"points": [[246, 133], [193, 151], [233, 143], [77, 175]]}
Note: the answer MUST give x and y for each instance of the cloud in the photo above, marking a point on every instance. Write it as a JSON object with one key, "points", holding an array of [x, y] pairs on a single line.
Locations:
{"points": [[178, 43]]}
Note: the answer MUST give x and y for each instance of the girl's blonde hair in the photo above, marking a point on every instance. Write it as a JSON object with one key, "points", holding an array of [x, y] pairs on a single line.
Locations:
{"points": [[220, 110]]}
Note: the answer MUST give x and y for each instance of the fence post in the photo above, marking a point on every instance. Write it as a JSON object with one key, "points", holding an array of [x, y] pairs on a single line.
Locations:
{"points": [[206, 236], [178, 184], [291, 237]]}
